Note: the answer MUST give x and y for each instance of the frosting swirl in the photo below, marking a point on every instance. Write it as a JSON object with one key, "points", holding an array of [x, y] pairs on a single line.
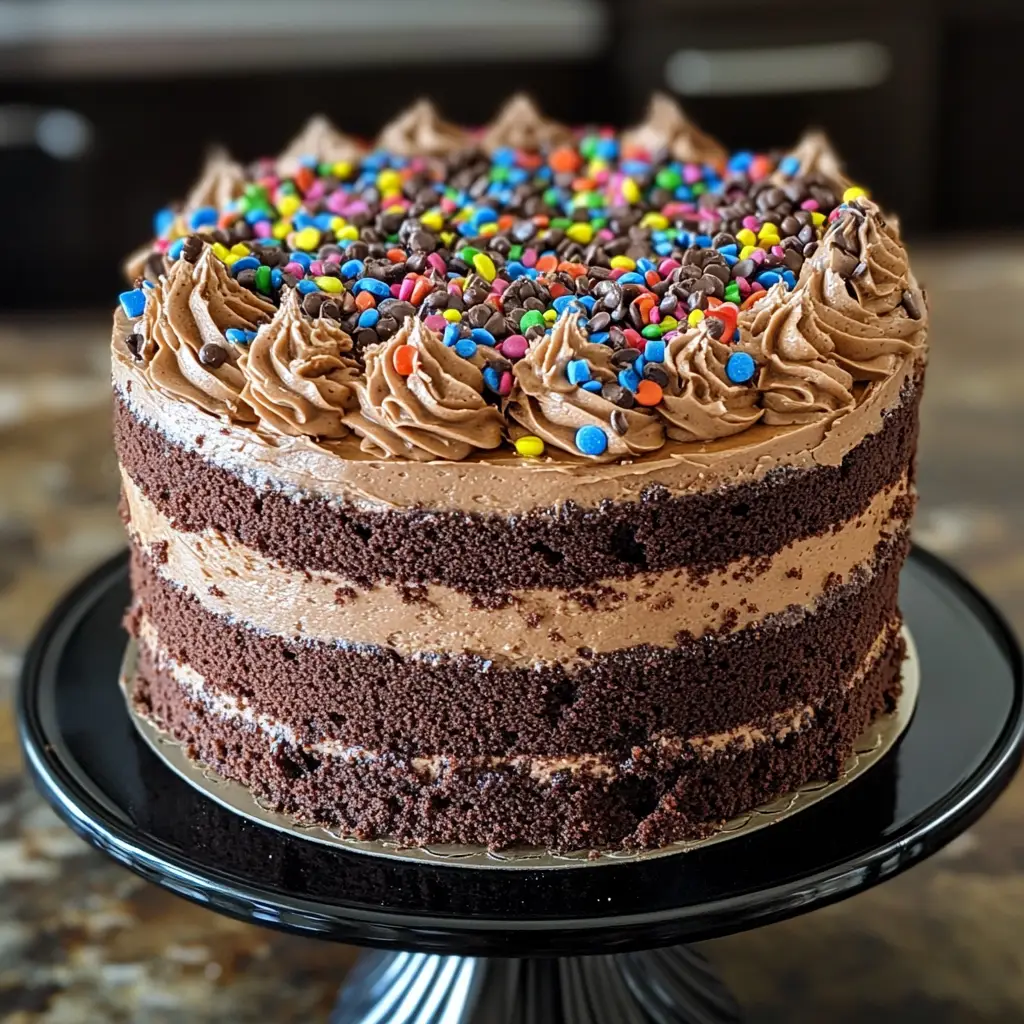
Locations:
{"points": [[192, 307], [298, 378], [221, 181], [520, 125], [703, 404], [548, 405], [435, 412], [320, 139], [815, 156], [420, 131], [666, 127]]}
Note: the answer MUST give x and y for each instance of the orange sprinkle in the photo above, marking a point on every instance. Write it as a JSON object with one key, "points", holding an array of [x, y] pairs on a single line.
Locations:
{"points": [[648, 393], [505, 221], [584, 185], [364, 300], [542, 220], [405, 359], [421, 289], [652, 277], [546, 262], [751, 299], [727, 313], [759, 167], [564, 160], [575, 269], [396, 255], [304, 178], [531, 161], [558, 289]]}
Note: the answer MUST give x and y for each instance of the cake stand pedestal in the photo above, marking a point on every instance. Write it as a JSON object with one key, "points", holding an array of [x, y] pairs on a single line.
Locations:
{"points": [[601, 944]]}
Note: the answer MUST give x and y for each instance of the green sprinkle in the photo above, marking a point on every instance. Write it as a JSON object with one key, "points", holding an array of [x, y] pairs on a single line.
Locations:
{"points": [[531, 318], [515, 251], [732, 292], [561, 223], [652, 331], [467, 252], [263, 279], [668, 178]]}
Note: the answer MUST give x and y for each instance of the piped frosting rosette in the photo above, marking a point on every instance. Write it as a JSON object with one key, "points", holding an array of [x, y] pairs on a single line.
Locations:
{"points": [[422, 401], [421, 131]]}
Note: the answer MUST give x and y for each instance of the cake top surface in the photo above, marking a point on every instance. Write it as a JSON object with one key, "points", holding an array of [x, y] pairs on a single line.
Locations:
{"points": [[446, 293]]}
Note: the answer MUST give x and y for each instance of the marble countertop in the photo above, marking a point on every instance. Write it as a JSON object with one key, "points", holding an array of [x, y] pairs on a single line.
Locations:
{"points": [[84, 940]]}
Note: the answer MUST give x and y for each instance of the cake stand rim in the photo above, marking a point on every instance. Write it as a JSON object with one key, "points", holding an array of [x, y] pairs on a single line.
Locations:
{"points": [[111, 830]]}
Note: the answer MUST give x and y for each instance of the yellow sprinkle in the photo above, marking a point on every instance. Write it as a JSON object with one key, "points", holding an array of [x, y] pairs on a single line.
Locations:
{"points": [[654, 221], [328, 284], [669, 323], [817, 218], [288, 206], [389, 181], [630, 190], [747, 250], [432, 220], [768, 231], [550, 315], [342, 169], [447, 237], [220, 251], [854, 192], [240, 250], [231, 259], [485, 266], [281, 229], [394, 208], [582, 233], [695, 317], [349, 232], [529, 446], [622, 263], [307, 239], [488, 229], [337, 223], [453, 316], [746, 237]]}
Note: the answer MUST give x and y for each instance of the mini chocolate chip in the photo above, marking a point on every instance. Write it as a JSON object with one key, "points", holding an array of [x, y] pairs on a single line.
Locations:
{"points": [[312, 302], [134, 343], [192, 248], [912, 305], [385, 327], [807, 234], [793, 260], [715, 327], [618, 422], [652, 371], [624, 357], [744, 268], [213, 355], [330, 309], [842, 262]]}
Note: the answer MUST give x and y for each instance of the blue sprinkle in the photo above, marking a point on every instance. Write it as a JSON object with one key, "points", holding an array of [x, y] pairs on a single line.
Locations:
{"points": [[518, 175], [133, 302], [578, 371], [607, 149], [588, 302], [663, 248], [592, 385], [302, 258], [368, 318], [504, 156], [323, 221], [704, 241], [302, 219], [740, 161], [631, 278], [740, 367], [654, 352], [202, 216], [236, 336], [563, 302], [730, 260], [768, 278], [245, 263], [485, 215], [373, 286], [639, 363], [276, 277], [466, 348], [789, 165], [591, 440], [492, 379], [350, 269], [451, 334], [729, 250], [643, 265], [254, 216], [629, 379], [309, 160], [514, 270], [148, 284], [306, 286], [482, 337], [163, 221], [790, 278], [174, 252], [250, 336], [600, 337]]}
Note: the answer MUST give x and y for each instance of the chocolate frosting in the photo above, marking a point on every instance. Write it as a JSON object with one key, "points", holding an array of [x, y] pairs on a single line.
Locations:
{"points": [[520, 125], [666, 127], [436, 412], [420, 131], [701, 403], [193, 306], [549, 406], [221, 181], [298, 376], [320, 139]]}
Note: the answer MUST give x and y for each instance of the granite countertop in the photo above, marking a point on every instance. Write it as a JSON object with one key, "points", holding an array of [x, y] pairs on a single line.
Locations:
{"points": [[82, 939]]}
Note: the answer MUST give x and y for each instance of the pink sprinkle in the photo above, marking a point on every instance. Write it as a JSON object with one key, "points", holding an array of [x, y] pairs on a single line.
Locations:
{"points": [[448, 205], [665, 267], [454, 288], [505, 384], [499, 284], [692, 173], [670, 335], [316, 190], [262, 229], [601, 177], [163, 244], [744, 285], [777, 250], [757, 255], [514, 347], [616, 274], [405, 289], [751, 223], [333, 257], [316, 268], [655, 315], [809, 204], [437, 263], [435, 322], [395, 289], [529, 258], [606, 234], [757, 287], [295, 269], [336, 201], [356, 207], [832, 216]]}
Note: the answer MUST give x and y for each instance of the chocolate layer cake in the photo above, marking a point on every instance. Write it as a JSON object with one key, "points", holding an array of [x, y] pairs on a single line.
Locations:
{"points": [[526, 485]]}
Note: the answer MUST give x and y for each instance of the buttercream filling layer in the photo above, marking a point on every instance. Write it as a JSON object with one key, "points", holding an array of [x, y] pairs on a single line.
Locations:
{"points": [[529, 626], [663, 747]]}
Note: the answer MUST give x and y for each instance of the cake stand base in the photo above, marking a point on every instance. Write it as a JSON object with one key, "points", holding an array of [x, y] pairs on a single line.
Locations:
{"points": [[665, 986]]}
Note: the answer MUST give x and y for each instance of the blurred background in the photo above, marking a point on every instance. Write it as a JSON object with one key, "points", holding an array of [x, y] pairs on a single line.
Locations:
{"points": [[106, 109]]}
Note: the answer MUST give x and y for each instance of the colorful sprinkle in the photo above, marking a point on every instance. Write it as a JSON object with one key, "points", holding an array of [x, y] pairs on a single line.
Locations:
{"points": [[529, 446], [740, 367], [591, 440]]}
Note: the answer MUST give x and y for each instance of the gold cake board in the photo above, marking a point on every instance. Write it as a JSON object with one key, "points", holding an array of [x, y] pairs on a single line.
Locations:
{"points": [[875, 743]]}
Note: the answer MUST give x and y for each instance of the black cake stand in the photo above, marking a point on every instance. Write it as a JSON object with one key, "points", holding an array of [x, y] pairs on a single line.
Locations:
{"points": [[598, 944]]}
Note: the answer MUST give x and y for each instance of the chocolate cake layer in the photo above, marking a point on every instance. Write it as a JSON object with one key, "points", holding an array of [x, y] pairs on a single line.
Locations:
{"points": [[644, 802], [465, 705], [478, 553]]}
